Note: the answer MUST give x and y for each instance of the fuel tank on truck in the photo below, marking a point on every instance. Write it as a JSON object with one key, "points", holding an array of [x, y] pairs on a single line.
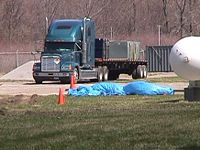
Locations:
{"points": [[185, 58]]}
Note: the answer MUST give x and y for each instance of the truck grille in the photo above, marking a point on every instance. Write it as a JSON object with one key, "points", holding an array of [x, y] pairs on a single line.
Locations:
{"points": [[50, 63]]}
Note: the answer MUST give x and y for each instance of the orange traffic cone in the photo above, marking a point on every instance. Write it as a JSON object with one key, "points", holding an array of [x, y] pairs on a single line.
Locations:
{"points": [[61, 97], [72, 82]]}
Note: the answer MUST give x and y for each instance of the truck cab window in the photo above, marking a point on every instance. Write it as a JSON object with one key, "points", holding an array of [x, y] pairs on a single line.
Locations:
{"points": [[61, 27], [59, 46]]}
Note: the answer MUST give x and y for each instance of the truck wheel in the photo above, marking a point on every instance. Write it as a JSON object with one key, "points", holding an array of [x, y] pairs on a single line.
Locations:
{"points": [[100, 74], [134, 74], [105, 73], [76, 75], [38, 81], [144, 72], [140, 71], [137, 73]]}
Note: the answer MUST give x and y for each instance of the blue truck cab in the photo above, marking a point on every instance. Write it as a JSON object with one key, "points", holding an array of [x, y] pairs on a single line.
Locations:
{"points": [[69, 48]]}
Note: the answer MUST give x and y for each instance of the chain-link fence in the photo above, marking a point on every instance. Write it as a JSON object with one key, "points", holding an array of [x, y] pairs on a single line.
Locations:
{"points": [[11, 60]]}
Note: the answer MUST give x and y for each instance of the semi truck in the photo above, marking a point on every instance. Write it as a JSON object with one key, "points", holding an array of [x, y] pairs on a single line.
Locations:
{"points": [[71, 48]]}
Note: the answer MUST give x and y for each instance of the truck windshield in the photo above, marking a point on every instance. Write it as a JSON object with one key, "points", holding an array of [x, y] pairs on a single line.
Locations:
{"points": [[59, 46]]}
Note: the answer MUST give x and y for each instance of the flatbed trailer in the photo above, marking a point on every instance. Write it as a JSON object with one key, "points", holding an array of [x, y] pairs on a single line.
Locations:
{"points": [[115, 67]]}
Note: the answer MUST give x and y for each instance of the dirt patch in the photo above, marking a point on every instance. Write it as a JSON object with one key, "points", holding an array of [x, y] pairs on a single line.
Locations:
{"points": [[19, 99], [33, 99], [3, 111], [6, 102]]}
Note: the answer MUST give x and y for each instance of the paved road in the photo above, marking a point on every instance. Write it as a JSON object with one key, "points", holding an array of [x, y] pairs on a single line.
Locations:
{"points": [[30, 88]]}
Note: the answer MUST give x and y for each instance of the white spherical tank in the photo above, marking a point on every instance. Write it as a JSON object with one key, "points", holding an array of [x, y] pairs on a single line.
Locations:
{"points": [[185, 58]]}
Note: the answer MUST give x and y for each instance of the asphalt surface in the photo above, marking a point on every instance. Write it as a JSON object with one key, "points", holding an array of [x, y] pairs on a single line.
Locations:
{"points": [[30, 88], [20, 81]]}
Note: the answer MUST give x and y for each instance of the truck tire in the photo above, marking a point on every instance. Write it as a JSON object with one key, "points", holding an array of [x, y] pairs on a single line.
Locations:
{"points": [[38, 81], [134, 74], [105, 73], [137, 73], [100, 74], [144, 71], [140, 71], [76, 75]]}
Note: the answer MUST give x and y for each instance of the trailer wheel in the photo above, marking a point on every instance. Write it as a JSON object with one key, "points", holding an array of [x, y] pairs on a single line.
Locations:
{"points": [[105, 73], [144, 72], [140, 71], [134, 74], [100, 74]]}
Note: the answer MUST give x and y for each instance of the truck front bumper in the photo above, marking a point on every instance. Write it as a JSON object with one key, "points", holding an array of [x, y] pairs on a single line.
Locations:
{"points": [[51, 75]]}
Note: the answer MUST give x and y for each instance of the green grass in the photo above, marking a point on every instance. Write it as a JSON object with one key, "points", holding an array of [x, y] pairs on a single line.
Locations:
{"points": [[167, 79], [113, 122], [161, 79]]}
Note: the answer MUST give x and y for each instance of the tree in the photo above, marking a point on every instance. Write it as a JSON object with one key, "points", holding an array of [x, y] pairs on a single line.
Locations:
{"points": [[24, 20], [181, 5], [192, 21], [131, 16], [12, 18], [51, 8], [165, 13]]}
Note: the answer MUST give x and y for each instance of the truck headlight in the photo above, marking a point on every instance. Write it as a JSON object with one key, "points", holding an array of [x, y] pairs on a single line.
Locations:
{"points": [[36, 67]]}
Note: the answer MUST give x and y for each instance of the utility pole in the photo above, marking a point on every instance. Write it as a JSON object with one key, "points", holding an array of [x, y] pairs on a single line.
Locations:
{"points": [[46, 25], [159, 35], [111, 33]]}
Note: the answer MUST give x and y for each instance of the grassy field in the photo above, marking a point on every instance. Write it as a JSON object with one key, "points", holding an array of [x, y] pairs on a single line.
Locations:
{"points": [[115, 122], [162, 79], [167, 79]]}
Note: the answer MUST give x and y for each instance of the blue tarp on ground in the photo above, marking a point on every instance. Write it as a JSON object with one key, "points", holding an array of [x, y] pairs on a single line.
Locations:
{"points": [[109, 88], [146, 88], [98, 89]]}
